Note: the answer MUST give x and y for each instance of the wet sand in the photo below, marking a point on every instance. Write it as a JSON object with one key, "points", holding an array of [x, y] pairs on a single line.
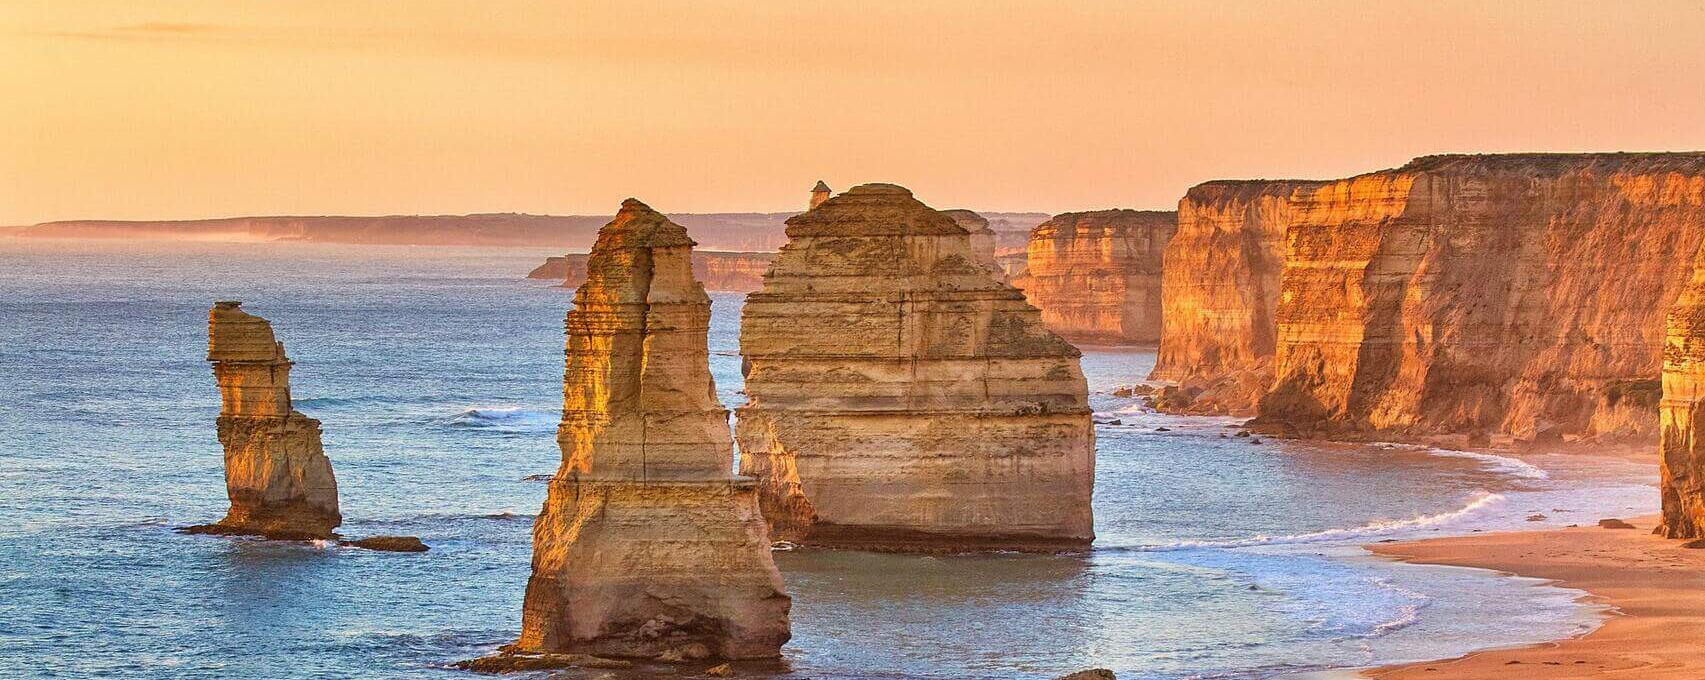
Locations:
{"points": [[1655, 587]]}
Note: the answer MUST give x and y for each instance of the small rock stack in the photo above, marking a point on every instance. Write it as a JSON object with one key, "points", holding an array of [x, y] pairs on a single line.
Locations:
{"points": [[648, 546], [279, 479]]}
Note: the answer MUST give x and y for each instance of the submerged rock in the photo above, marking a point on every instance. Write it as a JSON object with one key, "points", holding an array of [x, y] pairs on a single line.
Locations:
{"points": [[388, 544], [903, 398], [516, 662], [277, 476], [1096, 276], [1091, 674], [647, 544]]}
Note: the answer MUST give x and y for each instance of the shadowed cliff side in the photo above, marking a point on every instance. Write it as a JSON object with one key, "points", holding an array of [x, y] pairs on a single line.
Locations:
{"points": [[1096, 276], [1519, 295], [647, 545], [279, 479], [903, 398]]}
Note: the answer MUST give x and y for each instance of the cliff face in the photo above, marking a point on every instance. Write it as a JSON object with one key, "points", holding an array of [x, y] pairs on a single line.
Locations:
{"points": [[279, 480], [901, 398], [1219, 291], [1096, 275], [1681, 449], [730, 272], [647, 544], [1518, 294], [982, 237]]}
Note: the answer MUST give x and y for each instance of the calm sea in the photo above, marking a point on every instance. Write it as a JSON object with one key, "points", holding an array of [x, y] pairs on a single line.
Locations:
{"points": [[437, 375]]}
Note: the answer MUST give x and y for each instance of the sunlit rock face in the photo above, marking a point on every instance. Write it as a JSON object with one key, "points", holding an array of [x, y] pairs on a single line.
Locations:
{"points": [[278, 477], [1096, 275], [1219, 290], [1520, 295], [902, 398], [1680, 447], [648, 544], [718, 271]]}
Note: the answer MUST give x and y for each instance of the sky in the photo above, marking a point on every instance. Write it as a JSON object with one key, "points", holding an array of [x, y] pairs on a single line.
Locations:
{"points": [[166, 109]]}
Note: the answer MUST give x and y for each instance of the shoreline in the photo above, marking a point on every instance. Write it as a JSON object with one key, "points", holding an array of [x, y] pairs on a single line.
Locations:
{"points": [[1653, 590]]}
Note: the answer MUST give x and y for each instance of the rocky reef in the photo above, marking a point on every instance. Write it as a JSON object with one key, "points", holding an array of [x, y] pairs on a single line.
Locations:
{"points": [[1096, 276], [278, 478], [902, 398], [1681, 451], [1219, 291], [648, 545], [718, 271], [1519, 295]]}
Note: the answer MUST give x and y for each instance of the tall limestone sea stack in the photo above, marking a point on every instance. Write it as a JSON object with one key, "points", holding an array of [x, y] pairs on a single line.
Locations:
{"points": [[982, 237], [902, 398], [1519, 295], [648, 545], [278, 478], [1219, 291], [1096, 276], [1681, 442]]}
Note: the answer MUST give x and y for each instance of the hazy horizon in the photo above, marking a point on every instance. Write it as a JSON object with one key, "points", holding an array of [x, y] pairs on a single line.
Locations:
{"points": [[189, 109]]}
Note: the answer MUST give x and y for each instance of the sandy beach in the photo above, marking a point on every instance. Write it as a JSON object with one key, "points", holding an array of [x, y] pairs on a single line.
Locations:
{"points": [[1655, 587]]}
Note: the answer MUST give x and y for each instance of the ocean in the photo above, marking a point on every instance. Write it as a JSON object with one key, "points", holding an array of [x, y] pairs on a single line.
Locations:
{"points": [[436, 373]]}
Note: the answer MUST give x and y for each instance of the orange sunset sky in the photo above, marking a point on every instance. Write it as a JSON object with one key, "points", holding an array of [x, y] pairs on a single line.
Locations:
{"points": [[180, 109]]}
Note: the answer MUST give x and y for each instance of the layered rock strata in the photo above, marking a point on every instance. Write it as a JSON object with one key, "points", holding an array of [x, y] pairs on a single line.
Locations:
{"points": [[1219, 290], [982, 237], [902, 398], [1096, 276], [1681, 449], [276, 474], [718, 271], [1520, 295], [648, 545]]}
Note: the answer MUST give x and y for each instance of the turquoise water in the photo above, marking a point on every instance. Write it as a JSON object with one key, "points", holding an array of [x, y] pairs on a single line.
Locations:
{"points": [[436, 373]]}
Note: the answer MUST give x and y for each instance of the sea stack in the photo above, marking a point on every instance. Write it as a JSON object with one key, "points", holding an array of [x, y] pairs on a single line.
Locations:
{"points": [[279, 480], [1681, 449], [1096, 275], [648, 545], [1486, 296], [902, 398], [1219, 291], [982, 237]]}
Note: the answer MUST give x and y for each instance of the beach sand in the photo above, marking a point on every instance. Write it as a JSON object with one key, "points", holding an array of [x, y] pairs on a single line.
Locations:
{"points": [[1655, 587]]}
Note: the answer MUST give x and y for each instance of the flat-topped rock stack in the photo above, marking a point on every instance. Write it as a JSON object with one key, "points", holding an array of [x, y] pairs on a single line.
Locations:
{"points": [[648, 545], [1518, 295], [1219, 291], [1096, 275], [903, 398], [278, 477]]}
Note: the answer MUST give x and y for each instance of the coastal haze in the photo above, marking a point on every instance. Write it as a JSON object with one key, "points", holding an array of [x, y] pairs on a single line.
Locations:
{"points": [[1082, 340]]}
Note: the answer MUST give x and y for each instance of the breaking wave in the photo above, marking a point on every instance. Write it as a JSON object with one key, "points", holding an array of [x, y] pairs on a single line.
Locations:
{"points": [[506, 419], [1504, 464], [1374, 529]]}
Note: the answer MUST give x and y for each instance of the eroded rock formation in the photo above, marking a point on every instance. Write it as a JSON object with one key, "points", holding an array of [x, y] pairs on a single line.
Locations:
{"points": [[648, 545], [279, 479], [982, 237], [902, 398], [1519, 295], [1096, 275], [1681, 448], [1219, 290], [718, 271]]}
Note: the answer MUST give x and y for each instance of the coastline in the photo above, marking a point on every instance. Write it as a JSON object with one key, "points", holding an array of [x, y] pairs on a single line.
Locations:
{"points": [[1651, 586]]}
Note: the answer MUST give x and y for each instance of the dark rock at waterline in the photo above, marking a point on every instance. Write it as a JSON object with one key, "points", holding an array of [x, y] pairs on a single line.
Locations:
{"points": [[1536, 518], [231, 530], [1694, 544], [1163, 429], [1614, 524], [388, 544], [515, 662], [538, 478], [1091, 674]]}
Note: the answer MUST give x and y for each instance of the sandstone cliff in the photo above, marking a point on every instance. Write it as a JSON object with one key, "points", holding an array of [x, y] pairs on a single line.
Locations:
{"points": [[718, 271], [982, 237], [1219, 290], [1519, 294], [1681, 448], [647, 545], [901, 398], [1096, 275], [279, 480]]}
